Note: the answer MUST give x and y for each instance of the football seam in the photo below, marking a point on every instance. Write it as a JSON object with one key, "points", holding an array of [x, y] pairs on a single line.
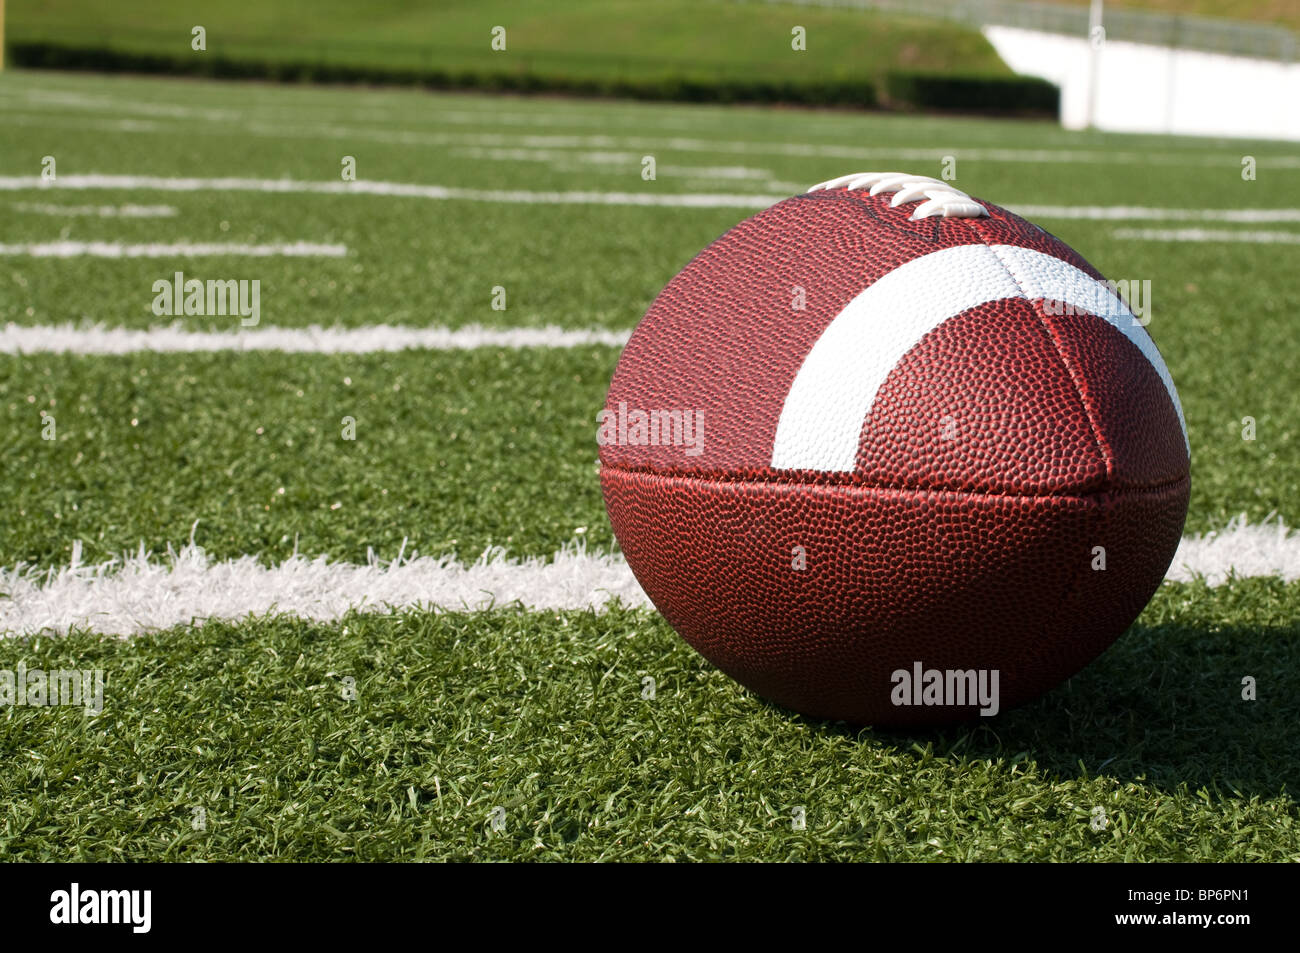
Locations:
{"points": [[1103, 448], [1154, 489]]}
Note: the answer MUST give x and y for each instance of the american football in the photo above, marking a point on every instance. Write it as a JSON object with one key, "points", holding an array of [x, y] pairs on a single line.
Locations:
{"points": [[900, 455]]}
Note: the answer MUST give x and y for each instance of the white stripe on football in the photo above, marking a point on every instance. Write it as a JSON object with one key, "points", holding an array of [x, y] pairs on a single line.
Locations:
{"points": [[828, 403]]}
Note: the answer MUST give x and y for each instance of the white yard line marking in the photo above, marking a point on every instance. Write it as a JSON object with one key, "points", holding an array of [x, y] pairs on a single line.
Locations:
{"points": [[647, 198], [570, 160], [50, 100], [97, 339], [255, 121], [67, 249], [1139, 212], [141, 593], [1208, 235], [97, 211], [1269, 548], [400, 189]]}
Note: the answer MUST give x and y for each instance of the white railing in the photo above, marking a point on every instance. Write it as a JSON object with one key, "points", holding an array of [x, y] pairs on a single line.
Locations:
{"points": [[1232, 37]]}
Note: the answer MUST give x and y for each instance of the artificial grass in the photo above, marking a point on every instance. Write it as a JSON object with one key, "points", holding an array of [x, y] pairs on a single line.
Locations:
{"points": [[453, 452], [543, 716]]}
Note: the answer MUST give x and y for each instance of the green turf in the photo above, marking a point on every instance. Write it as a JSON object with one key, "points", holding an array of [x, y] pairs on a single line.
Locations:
{"points": [[454, 452], [543, 717], [575, 38], [540, 713]]}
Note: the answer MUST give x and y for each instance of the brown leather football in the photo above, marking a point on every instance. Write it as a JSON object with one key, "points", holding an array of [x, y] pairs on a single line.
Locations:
{"points": [[889, 454]]}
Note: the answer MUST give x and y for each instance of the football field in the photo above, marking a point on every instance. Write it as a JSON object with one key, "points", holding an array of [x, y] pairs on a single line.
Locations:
{"points": [[338, 546]]}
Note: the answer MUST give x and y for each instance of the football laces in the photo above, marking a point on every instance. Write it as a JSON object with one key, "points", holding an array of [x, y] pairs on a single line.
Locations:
{"points": [[936, 197]]}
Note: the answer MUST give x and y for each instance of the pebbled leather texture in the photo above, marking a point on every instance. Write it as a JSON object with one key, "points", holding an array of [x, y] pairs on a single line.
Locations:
{"points": [[989, 452]]}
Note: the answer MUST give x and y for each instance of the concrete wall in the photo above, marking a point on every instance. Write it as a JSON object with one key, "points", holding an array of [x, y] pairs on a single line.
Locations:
{"points": [[1158, 89]]}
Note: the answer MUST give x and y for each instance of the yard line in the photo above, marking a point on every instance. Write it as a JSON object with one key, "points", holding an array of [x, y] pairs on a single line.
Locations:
{"points": [[592, 197], [399, 189], [141, 593], [175, 338], [49, 99], [68, 249], [1207, 235], [1268, 548], [282, 129], [578, 161], [1122, 212], [100, 211]]}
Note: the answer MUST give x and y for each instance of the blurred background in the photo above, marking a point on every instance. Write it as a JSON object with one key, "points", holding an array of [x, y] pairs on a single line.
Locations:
{"points": [[1203, 67]]}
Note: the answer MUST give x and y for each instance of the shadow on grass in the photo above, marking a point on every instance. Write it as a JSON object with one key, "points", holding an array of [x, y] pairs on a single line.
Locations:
{"points": [[1163, 705]]}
